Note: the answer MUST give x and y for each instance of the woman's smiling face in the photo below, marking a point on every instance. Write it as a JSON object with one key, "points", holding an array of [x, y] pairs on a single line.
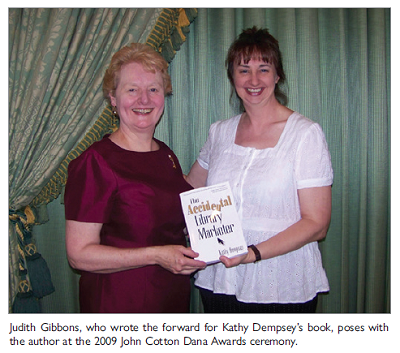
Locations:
{"points": [[139, 97], [255, 81]]}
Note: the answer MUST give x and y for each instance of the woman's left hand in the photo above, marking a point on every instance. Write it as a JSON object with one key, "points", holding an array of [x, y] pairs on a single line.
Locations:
{"points": [[237, 260]]}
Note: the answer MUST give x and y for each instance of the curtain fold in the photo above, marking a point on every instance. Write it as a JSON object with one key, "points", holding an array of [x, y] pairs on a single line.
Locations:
{"points": [[57, 60]]}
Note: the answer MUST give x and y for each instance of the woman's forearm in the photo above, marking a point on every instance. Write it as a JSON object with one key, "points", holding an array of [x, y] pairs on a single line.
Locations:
{"points": [[106, 259], [293, 238], [85, 252]]}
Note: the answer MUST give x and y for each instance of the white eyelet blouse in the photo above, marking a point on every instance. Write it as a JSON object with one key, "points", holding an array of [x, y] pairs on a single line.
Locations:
{"points": [[264, 183]]}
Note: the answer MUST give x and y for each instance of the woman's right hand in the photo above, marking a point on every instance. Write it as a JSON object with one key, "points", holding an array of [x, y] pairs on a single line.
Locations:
{"points": [[178, 259]]}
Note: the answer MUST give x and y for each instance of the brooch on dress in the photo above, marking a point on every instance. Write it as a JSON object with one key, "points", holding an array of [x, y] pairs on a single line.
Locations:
{"points": [[172, 160]]}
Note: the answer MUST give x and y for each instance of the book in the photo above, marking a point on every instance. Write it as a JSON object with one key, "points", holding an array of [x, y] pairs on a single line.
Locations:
{"points": [[212, 222]]}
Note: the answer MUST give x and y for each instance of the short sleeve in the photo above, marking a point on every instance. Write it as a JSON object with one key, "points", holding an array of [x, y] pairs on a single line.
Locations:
{"points": [[205, 152], [90, 188], [313, 167]]}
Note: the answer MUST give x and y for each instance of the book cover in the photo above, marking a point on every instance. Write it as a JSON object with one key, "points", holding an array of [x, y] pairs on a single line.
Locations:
{"points": [[212, 222]]}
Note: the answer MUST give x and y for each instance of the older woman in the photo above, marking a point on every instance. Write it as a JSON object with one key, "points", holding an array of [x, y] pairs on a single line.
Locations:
{"points": [[279, 168], [124, 227]]}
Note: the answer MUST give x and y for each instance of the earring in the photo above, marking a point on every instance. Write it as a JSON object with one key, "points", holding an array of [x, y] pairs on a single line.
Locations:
{"points": [[114, 111]]}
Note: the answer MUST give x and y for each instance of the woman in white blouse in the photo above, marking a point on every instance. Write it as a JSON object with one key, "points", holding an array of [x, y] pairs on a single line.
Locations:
{"points": [[279, 168]]}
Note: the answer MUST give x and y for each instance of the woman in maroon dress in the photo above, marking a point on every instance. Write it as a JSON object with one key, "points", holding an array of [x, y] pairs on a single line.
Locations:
{"points": [[124, 228]]}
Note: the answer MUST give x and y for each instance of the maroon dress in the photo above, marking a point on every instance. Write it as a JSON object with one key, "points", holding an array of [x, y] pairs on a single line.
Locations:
{"points": [[135, 195]]}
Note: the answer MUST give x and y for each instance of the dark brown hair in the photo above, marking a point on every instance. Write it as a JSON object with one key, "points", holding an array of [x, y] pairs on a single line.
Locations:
{"points": [[254, 43]]}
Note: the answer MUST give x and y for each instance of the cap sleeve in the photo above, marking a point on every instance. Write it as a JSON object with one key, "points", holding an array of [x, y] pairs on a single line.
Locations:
{"points": [[90, 188], [205, 152], [313, 167]]}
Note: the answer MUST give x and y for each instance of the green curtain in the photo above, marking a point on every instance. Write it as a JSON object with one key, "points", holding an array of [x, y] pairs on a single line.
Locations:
{"points": [[57, 60], [337, 63]]}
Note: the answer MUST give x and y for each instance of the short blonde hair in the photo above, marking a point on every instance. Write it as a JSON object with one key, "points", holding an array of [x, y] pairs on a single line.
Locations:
{"points": [[139, 53]]}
